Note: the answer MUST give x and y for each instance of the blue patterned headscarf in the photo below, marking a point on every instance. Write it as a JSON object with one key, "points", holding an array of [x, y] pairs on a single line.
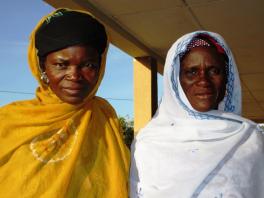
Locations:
{"points": [[174, 100]]}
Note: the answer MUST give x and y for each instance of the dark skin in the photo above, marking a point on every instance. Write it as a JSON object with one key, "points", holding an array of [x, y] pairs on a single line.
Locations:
{"points": [[72, 72], [203, 78]]}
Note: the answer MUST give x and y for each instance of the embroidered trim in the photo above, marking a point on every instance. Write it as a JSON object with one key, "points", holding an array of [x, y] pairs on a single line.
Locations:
{"points": [[54, 147]]}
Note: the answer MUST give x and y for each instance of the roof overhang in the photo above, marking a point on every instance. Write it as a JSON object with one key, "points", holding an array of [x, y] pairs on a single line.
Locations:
{"points": [[149, 27]]}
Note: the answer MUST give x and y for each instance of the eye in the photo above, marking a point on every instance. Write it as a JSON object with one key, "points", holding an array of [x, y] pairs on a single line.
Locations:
{"points": [[90, 66], [213, 71], [60, 65], [191, 72]]}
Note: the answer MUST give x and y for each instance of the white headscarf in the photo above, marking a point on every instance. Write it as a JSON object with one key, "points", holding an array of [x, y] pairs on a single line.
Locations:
{"points": [[185, 153]]}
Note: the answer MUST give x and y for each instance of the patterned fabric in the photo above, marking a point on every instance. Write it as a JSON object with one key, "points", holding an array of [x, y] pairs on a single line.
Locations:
{"points": [[196, 42], [185, 153], [49, 148]]}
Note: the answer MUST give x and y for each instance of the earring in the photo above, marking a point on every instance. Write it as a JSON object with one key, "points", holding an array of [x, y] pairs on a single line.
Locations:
{"points": [[44, 78]]}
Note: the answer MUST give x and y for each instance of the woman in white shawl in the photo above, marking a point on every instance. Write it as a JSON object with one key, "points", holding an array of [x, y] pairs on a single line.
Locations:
{"points": [[197, 144]]}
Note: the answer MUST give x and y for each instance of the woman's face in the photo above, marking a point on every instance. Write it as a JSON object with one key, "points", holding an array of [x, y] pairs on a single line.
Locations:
{"points": [[72, 72], [203, 78]]}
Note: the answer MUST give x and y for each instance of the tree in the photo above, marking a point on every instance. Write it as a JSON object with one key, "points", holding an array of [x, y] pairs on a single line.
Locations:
{"points": [[262, 126], [128, 130]]}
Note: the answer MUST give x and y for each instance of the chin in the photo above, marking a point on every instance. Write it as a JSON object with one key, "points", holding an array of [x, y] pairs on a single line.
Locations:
{"points": [[73, 101], [204, 108]]}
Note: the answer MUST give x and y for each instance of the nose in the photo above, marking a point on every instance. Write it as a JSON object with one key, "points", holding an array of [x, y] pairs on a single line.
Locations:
{"points": [[73, 73], [203, 79]]}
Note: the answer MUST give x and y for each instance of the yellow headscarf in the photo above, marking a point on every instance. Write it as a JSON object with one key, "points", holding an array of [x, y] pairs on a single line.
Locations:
{"points": [[49, 148]]}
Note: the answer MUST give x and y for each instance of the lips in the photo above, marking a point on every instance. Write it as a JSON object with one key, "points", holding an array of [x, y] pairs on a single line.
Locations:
{"points": [[204, 95], [73, 90]]}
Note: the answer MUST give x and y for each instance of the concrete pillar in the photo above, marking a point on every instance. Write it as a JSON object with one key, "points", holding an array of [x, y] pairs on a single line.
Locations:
{"points": [[145, 90]]}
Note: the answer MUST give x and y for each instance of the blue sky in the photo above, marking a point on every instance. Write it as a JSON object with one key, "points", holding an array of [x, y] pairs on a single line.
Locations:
{"points": [[17, 20]]}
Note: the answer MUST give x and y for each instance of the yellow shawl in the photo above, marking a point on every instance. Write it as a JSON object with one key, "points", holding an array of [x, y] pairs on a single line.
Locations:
{"points": [[53, 149]]}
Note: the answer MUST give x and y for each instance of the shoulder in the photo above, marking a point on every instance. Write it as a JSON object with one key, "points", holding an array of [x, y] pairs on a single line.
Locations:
{"points": [[10, 111], [105, 106], [240, 119], [20, 103], [145, 143], [15, 105]]}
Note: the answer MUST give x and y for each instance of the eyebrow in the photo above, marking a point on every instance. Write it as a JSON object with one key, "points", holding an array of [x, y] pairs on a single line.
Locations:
{"points": [[68, 59], [197, 66], [61, 59], [190, 66]]}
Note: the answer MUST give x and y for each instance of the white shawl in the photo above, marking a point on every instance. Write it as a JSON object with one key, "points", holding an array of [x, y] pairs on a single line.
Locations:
{"points": [[184, 153]]}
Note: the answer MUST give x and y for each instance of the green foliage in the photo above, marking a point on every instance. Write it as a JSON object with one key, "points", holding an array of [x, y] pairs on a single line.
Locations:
{"points": [[262, 126], [128, 130]]}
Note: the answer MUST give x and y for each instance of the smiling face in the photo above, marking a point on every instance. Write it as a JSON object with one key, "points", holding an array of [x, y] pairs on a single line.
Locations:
{"points": [[203, 78], [72, 72]]}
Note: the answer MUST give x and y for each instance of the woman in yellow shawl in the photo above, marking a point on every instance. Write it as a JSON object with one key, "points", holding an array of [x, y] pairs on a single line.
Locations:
{"points": [[66, 142]]}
